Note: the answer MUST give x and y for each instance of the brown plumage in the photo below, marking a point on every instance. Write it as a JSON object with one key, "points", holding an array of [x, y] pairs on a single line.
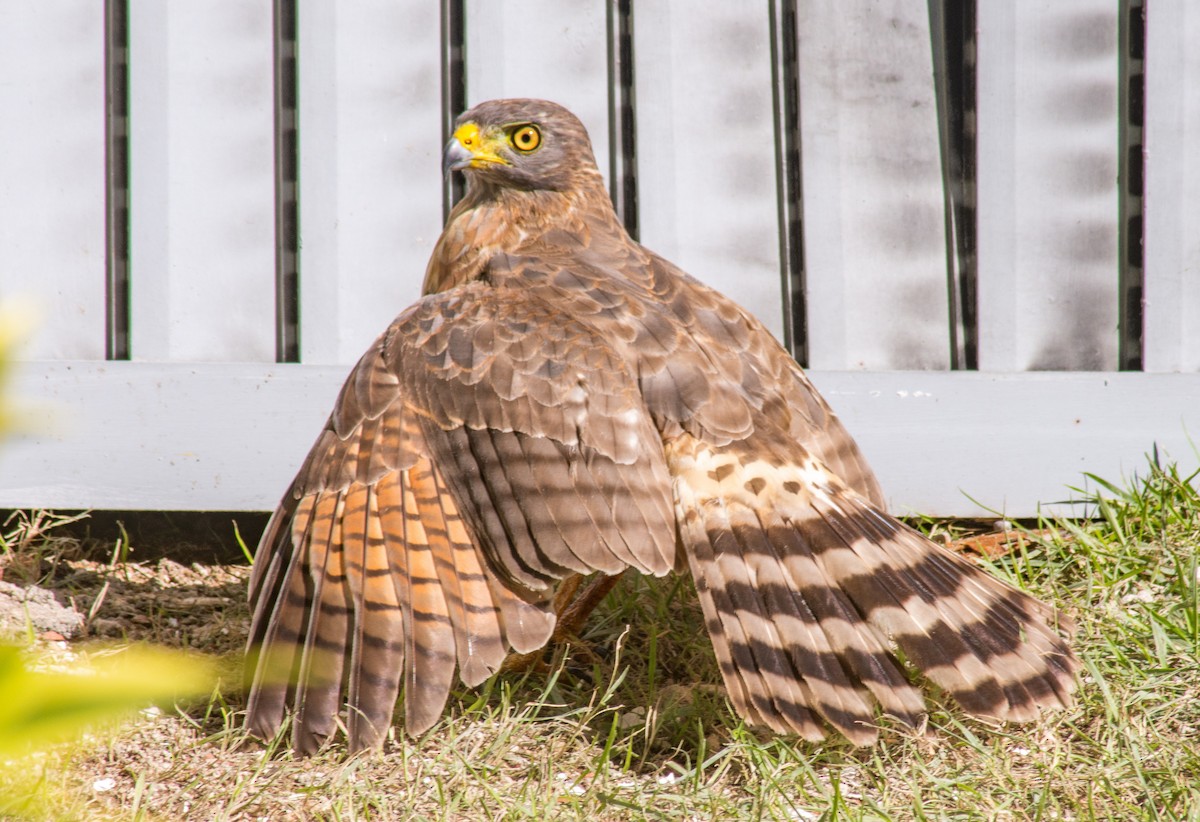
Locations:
{"points": [[565, 401]]}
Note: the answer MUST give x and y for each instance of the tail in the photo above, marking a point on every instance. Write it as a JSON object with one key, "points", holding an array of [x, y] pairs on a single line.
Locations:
{"points": [[815, 600]]}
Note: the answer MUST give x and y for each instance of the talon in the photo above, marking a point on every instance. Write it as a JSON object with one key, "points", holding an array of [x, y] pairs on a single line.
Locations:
{"points": [[571, 610]]}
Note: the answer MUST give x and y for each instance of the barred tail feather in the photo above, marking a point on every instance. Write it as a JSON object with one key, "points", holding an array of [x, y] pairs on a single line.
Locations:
{"points": [[368, 590], [278, 583], [319, 684], [815, 601], [377, 649], [1012, 660]]}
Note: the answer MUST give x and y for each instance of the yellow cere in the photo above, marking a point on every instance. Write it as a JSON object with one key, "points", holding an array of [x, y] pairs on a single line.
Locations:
{"points": [[468, 135], [482, 146]]}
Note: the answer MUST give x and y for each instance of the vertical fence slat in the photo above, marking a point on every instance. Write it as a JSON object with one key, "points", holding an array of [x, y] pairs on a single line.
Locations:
{"points": [[1172, 195], [370, 177], [52, 230], [1131, 111], [1047, 177], [874, 214], [551, 49], [202, 191], [706, 164]]}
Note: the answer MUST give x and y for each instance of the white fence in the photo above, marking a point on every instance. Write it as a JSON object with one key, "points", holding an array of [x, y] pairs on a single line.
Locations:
{"points": [[156, 357]]}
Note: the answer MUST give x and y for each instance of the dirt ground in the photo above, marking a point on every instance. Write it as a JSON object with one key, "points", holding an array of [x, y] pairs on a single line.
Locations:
{"points": [[642, 733], [180, 584], [112, 581]]}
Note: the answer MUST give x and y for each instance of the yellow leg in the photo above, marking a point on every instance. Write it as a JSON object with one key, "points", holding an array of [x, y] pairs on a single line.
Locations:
{"points": [[572, 612]]}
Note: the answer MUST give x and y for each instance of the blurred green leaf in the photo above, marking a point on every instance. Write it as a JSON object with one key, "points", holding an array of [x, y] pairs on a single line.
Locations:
{"points": [[42, 706], [17, 320]]}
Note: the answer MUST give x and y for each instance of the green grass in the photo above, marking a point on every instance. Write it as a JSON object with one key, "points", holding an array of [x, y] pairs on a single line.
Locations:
{"points": [[633, 725]]}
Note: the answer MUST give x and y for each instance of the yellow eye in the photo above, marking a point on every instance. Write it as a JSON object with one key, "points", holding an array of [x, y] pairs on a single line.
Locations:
{"points": [[526, 138]]}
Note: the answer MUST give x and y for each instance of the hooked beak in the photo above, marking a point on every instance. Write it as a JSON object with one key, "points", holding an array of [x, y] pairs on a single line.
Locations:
{"points": [[455, 157], [472, 148]]}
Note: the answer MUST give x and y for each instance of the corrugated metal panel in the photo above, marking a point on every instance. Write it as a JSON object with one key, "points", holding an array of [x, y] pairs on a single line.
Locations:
{"points": [[874, 214], [202, 182], [52, 208], [370, 156], [204, 179], [549, 49], [1047, 176], [1172, 199], [706, 166]]}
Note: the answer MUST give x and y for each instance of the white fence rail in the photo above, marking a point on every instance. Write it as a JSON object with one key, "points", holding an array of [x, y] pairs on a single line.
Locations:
{"points": [[203, 417]]}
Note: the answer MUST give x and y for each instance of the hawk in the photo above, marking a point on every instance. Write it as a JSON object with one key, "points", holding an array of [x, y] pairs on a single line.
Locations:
{"points": [[564, 401]]}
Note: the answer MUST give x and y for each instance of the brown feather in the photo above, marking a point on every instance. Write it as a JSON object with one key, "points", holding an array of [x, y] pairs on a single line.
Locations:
{"points": [[460, 567], [564, 401], [429, 671], [318, 689], [377, 650], [847, 588]]}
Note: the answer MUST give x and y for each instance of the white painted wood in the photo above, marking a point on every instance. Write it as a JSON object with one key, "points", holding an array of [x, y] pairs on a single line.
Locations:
{"points": [[549, 49], [874, 215], [1047, 184], [163, 436], [970, 443], [52, 235], [1171, 264], [706, 150], [370, 167], [149, 436], [202, 191]]}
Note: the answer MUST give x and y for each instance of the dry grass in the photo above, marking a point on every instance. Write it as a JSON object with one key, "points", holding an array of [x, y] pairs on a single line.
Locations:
{"points": [[632, 724]]}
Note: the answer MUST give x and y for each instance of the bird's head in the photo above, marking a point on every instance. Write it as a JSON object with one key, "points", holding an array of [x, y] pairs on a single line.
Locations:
{"points": [[522, 144]]}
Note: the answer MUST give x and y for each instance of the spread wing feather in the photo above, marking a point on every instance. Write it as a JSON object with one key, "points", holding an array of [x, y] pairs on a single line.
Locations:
{"points": [[823, 603], [577, 410], [468, 465]]}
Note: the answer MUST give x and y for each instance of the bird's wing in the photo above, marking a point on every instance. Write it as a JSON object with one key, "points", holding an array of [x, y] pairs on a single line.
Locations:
{"points": [[820, 606], [703, 362], [742, 351], [483, 448]]}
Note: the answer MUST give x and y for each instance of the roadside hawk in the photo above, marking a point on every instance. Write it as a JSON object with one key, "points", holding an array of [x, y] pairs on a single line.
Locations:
{"points": [[565, 401]]}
